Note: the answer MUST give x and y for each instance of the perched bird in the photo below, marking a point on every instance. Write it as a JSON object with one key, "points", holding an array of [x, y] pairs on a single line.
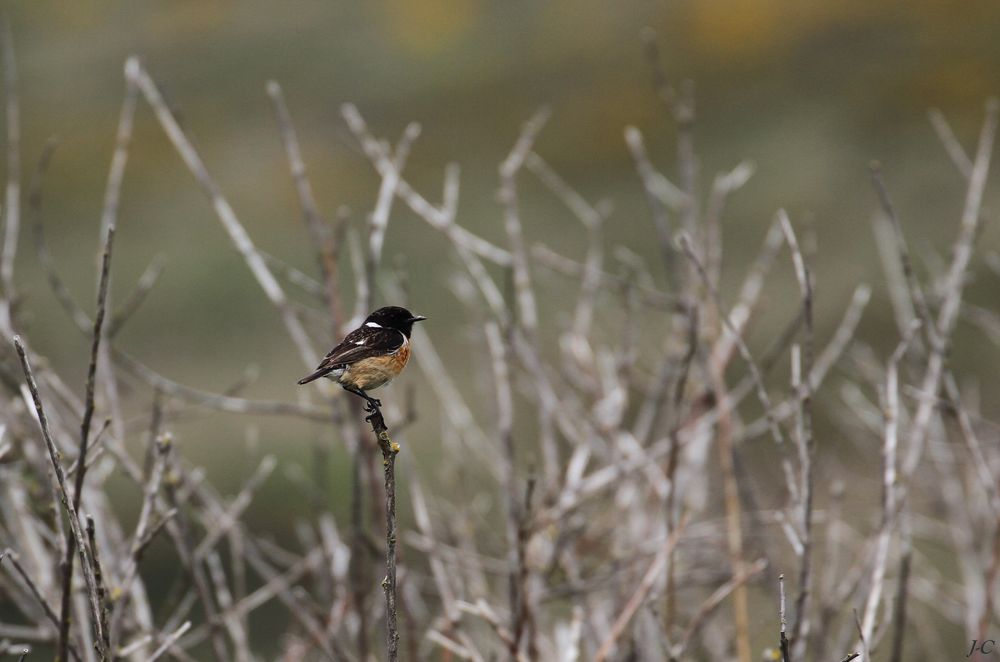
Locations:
{"points": [[370, 355]]}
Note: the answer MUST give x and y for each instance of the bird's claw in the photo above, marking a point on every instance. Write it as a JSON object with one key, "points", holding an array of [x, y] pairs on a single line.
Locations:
{"points": [[372, 405]]}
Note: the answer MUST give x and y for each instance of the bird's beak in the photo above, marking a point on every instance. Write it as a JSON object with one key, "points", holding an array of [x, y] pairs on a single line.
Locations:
{"points": [[417, 318]]}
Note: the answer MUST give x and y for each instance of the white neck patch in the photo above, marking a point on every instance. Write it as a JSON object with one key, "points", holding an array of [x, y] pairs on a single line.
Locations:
{"points": [[374, 325]]}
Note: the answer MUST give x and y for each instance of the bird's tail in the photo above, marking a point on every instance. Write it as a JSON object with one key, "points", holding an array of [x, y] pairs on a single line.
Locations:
{"points": [[314, 376]]}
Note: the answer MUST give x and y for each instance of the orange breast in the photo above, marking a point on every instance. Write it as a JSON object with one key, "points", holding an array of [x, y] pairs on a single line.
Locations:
{"points": [[368, 374]]}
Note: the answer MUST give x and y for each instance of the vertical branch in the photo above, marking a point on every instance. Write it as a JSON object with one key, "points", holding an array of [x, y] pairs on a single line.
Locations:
{"points": [[509, 169], [723, 186], [67, 502], [782, 637], [88, 414], [389, 450], [673, 455], [359, 267], [592, 219], [889, 488], [180, 533], [322, 238], [734, 531], [680, 103], [505, 423], [234, 625], [113, 188], [687, 162], [724, 435], [153, 479], [109, 221], [12, 202], [804, 436], [658, 191], [953, 286], [378, 221], [902, 587], [102, 591], [108, 224], [360, 575]]}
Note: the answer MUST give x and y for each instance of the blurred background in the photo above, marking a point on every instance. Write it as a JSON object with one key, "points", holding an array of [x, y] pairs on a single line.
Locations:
{"points": [[810, 91]]}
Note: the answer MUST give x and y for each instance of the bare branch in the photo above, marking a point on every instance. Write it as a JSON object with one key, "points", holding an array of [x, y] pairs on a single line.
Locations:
{"points": [[953, 287], [12, 199], [323, 239], [227, 216], [527, 307], [639, 595], [67, 501]]}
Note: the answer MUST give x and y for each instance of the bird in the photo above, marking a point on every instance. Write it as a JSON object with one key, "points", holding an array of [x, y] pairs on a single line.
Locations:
{"points": [[371, 355]]}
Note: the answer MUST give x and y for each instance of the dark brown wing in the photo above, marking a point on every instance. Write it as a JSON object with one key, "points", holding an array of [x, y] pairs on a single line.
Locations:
{"points": [[362, 343]]}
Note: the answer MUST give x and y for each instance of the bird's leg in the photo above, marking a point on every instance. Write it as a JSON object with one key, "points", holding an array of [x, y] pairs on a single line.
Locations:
{"points": [[371, 404]]}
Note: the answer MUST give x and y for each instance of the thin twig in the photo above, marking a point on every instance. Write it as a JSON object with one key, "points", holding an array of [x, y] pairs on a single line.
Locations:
{"points": [[804, 437], [527, 306], [102, 589], [950, 142], [136, 298], [902, 590], [169, 641], [88, 413], [227, 216], [638, 597], [498, 349], [323, 239], [389, 450], [953, 287], [67, 501], [142, 530], [12, 200], [12, 556], [890, 490], [741, 345], [864, 643], [379, 219], [441, 218], [661, 197], [714, 600], [180, 533], [782, 637]]}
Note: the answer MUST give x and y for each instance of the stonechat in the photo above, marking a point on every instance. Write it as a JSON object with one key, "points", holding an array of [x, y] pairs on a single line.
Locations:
{"points": [[371, 355]]}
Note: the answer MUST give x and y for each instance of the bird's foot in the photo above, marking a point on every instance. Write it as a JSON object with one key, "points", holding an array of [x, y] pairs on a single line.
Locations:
{"points": [[372, 405]]}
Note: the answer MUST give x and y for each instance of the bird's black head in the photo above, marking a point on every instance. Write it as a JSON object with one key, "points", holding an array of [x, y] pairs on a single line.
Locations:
{"points": [[394, 317]]}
